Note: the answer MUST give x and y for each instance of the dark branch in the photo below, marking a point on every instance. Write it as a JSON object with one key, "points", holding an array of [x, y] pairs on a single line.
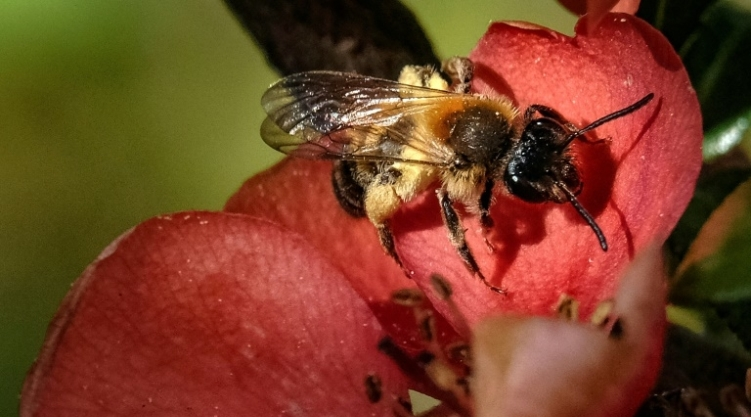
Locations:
{"points": [[372, 37]]}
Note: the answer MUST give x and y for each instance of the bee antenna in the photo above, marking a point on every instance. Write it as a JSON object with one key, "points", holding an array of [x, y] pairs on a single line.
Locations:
{"points": [[585, 214], [616, 114]]}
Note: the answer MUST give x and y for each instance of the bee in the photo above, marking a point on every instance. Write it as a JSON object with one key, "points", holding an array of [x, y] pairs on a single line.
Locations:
{"points": [[392, 140]]}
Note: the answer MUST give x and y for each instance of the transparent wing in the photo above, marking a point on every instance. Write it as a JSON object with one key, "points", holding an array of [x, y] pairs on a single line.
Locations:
{"points": [[338, 115]]}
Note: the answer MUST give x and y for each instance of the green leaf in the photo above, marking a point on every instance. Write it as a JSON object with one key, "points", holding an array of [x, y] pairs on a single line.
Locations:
{"points": [[701, 363], [727, 135], [716, 266], [682, 366], [676, 19], [718, 60], [735, 315], [713, 38], [713, 187]]}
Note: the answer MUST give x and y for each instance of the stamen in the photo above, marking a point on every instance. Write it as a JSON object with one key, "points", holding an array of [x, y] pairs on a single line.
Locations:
{"points": [[567, 308], [601, 316], [441, 287], [407, 297], [373, 388]]}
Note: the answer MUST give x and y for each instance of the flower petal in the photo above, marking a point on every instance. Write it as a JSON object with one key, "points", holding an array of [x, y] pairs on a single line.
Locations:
{"points": [[543, 367], [210, 314], [297, 194], [636, 184]]}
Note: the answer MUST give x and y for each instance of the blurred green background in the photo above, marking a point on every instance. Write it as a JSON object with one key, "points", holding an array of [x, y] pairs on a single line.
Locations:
{"points": [[115, 111]]}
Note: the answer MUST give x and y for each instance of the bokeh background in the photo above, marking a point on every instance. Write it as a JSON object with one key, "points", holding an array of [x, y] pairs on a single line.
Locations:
{"points": [[114, 111]]}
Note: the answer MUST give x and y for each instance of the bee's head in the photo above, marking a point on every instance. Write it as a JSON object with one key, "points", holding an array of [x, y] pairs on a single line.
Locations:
{"points": [[538, 167], [538, 163]]}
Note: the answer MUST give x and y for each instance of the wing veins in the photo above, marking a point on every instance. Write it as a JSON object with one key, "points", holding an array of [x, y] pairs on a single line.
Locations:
{"points": [[333, 111]]}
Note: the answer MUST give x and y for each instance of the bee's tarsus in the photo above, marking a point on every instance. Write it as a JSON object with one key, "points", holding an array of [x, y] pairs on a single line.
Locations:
{"points": [[387, 242], [490, 286], [488, 244]]}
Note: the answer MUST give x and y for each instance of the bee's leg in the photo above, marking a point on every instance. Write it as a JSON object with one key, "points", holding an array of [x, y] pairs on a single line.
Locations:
{"points": [[546, 111], [460, 72], [486, 199], [381, 202], [456, 232], [348, 191], [456, 236], [387, 242]]}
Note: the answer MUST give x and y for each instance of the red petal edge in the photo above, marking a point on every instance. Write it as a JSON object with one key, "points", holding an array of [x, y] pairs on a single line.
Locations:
{"points": [[208, 314]]}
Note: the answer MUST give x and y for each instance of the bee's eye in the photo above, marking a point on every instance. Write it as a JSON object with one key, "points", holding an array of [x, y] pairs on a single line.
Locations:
{"points": [[535, 184], [537, 161]]}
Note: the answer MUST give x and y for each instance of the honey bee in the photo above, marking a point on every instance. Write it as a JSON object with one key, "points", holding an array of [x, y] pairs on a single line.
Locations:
{"points": [[392, 140]]}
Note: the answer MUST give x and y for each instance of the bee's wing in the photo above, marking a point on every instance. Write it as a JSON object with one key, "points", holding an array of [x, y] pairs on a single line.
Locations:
{"points": [[323, 114]]}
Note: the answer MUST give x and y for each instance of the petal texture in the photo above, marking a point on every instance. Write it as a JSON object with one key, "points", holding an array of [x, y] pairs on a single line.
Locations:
{"points": [[298, 194], [210, 314]]}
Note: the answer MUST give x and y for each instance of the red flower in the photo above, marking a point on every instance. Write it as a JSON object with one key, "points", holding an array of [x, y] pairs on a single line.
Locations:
{"points": [[278, 306]]}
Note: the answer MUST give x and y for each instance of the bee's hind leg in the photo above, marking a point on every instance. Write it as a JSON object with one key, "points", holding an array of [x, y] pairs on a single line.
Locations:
{"points": [[456, 236], [380, 202], [387, 242]]}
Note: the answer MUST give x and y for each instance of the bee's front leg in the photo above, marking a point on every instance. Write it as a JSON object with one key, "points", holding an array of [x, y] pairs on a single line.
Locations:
{"points": [[486, 199], [460, 71], [456, 236]]}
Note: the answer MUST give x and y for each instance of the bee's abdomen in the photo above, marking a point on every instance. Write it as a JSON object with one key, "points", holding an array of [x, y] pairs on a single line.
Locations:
{"points": [[349, 193]]}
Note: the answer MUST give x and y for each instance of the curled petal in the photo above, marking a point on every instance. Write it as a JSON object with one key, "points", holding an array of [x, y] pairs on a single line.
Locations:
{"points": [[544, 367], [210, 314]]}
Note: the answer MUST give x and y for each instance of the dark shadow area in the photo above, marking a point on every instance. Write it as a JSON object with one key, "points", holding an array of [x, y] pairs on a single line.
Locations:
{"points": [[494, 80]]}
